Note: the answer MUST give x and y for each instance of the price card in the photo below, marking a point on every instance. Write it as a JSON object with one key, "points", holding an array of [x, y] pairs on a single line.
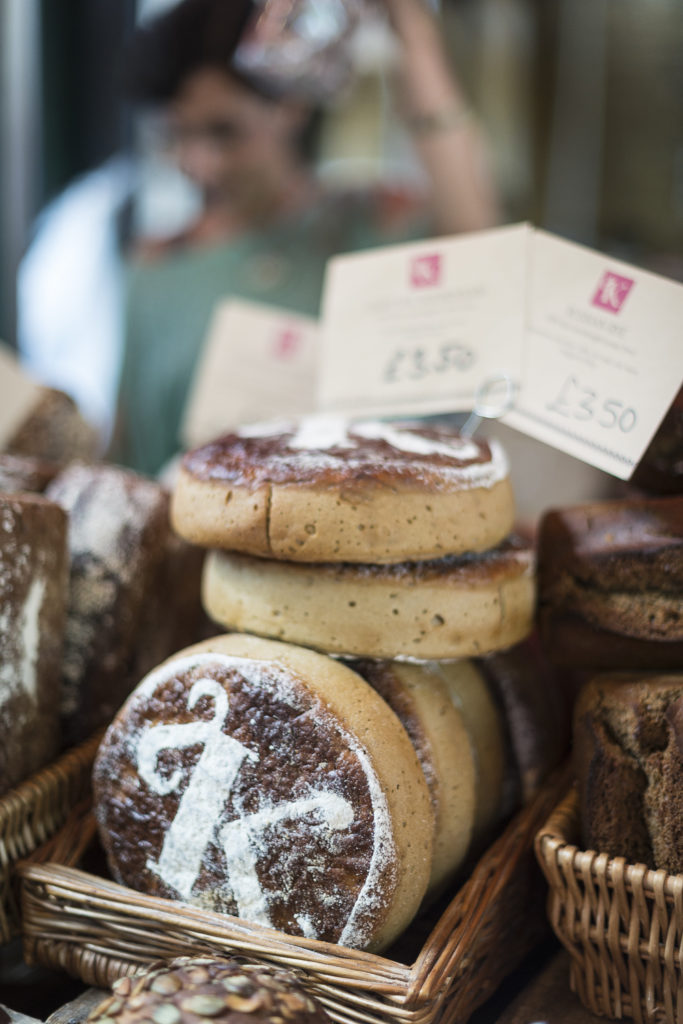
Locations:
{"points": [[416, 328], [603, 354], [19, 394], [257, 362]]}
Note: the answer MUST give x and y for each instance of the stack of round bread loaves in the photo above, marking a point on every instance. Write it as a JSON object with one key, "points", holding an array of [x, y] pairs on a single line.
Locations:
{"points": [[258, 776]]}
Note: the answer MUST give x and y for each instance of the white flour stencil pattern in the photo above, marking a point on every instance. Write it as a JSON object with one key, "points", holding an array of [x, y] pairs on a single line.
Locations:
{"points": [[226, 783]]}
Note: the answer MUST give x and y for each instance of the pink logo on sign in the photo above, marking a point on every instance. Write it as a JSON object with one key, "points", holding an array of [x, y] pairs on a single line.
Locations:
{"points": [[286, 343], [612, 291], [425, 271]]}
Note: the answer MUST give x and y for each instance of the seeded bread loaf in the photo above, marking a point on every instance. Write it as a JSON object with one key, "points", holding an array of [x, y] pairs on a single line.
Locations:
{"points": [[198, 990]]}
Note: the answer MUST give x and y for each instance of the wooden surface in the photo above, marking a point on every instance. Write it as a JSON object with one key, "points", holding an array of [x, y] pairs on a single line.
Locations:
{"points": [[547, 999], [78, 1009]]}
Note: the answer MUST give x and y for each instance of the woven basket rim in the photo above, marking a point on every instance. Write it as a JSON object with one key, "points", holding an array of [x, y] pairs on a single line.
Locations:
{"points": [[39, 783], [33, 811], [415, 990], [554, 844]]}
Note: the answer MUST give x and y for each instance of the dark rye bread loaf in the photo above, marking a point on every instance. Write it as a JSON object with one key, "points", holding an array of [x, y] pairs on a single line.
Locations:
{"points": [[536, 700], [628, 754], [195, 990], [660, 471], [133, 589], [33, 580], [610, 583], [23, 473], [54, 430]]}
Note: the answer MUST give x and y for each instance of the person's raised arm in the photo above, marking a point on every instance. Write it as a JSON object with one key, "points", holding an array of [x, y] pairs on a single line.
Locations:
{"points": [[446, 133]]}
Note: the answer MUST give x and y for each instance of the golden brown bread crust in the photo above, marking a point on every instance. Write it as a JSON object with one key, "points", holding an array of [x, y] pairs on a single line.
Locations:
{"points": [[33, 582], [358, 498], [324, 827], [447, 608]]}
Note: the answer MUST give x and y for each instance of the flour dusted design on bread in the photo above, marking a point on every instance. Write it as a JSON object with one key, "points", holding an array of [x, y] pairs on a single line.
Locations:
{"points": [[329, 489], [227, 783]]}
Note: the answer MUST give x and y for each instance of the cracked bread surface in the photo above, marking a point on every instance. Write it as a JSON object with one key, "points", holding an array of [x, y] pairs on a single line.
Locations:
{"points": [[445, 608], [628, 755], [361, 493]]}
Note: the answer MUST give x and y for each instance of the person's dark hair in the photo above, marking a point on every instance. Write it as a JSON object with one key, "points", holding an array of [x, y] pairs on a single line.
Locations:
{"points": [[192, 35]]}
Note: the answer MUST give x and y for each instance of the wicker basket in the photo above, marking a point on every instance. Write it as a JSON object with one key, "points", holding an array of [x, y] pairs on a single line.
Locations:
{"points": [[34, 811], [622, 924], [98, 931]]}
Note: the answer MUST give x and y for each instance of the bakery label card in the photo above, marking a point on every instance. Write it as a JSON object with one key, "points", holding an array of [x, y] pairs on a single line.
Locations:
{"points": [[417, 327], [603, 354], [19, 394], [258, 362]]}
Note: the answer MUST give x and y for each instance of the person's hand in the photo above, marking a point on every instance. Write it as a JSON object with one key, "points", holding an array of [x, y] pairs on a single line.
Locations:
{"points": [[409, 14], [444, 129]]}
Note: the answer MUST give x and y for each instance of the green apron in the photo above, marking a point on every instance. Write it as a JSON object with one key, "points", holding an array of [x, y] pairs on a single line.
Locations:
{"points": [[170, 302]]}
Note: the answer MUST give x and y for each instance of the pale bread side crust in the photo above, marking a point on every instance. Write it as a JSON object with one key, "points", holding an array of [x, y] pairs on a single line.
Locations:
{"points": [[452, 758], [470, 693], [368, 615], [378, 730], [352, 523]]}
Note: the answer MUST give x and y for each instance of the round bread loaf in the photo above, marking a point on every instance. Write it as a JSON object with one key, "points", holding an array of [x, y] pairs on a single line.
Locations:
{"points": [[197, 990], [421, 699], [331, 491], [270, 782], [454, 607]]}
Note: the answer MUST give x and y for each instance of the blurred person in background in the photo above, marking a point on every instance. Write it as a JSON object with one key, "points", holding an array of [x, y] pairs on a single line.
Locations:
{"points": [[267, 226]]}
